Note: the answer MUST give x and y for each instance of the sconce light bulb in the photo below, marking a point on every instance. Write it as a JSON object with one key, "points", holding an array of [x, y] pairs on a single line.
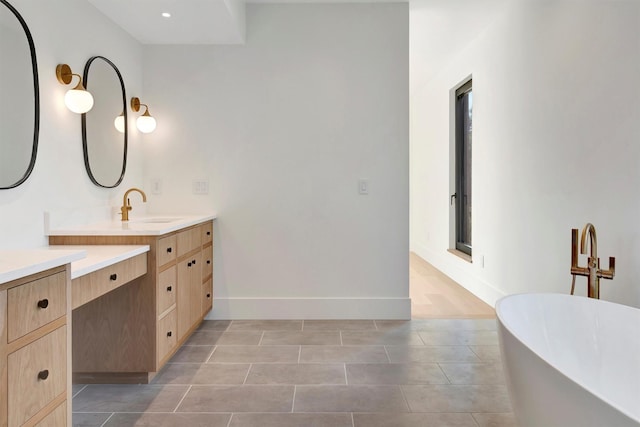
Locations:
{"points": [[146, 123], [119, 123], [79, 101]]}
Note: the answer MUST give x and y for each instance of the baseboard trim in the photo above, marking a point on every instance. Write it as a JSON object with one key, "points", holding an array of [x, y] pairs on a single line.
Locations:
{"points": [[460, 271], [310, 308]]}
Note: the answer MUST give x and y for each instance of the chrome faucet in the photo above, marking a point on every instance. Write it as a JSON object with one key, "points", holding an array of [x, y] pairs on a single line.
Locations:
{"points": [[126, 203], [592, 271]]}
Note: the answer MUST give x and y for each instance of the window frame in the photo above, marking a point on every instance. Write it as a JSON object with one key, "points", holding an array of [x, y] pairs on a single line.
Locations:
{"points": [[461, 173]]}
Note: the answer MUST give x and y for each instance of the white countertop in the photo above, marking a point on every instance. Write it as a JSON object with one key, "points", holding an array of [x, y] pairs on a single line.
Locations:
{"points": [[100, 256], [148, 225], [15, 264]]}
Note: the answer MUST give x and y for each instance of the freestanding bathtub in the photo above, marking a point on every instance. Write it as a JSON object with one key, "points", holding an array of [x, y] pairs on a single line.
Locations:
{"points": [[570, 361]]}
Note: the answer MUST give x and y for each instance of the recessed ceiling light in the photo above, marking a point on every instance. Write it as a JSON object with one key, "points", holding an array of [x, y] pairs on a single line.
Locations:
{"points": [[166, 14]]}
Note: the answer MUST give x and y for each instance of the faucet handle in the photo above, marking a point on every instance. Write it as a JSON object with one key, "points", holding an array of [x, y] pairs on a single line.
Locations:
{"points": [[608, 274]]}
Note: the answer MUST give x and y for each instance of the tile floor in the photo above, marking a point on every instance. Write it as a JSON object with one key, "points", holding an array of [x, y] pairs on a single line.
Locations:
{"points": [[313, 373]]}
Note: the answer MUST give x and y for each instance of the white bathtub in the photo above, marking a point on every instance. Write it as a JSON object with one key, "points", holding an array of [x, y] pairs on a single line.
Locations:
{"points": [[570, 361]]}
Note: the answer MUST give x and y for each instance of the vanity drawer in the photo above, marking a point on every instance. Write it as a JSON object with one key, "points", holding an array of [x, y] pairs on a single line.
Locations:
{"points": [[35, 304], [56, 418], [189, 240], [166, 250], [207, 261], [207, 232], [93, 285], [37, 374], [166, 289], [207, 296], [167, 334]]}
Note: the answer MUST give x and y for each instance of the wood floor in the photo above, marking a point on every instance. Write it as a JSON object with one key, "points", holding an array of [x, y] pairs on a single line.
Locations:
{"points": [[434, 295]]}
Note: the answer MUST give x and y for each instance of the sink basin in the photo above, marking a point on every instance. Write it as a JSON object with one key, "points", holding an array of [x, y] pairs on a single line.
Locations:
{"points": [[163, 220]]}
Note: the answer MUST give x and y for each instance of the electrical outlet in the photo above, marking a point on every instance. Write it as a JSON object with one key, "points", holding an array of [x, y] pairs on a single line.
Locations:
{"points": [[201, 186]]}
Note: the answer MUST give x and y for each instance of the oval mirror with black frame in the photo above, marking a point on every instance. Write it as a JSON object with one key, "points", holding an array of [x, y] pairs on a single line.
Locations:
{"points": [[19, 99], [105, 147]]}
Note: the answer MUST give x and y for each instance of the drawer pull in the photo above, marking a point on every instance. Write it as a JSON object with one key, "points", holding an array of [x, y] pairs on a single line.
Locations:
{"points": [[208, 233], [43, 303], [193, 262], [168, 288], [208, 295], [113, 276], [43, 375], [169, 250], [169, 334], [208, 261], [188, 264]]}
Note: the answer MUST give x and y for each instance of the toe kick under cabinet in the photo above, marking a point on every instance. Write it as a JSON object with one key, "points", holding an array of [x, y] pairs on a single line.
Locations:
{"points": [[127, 335]]}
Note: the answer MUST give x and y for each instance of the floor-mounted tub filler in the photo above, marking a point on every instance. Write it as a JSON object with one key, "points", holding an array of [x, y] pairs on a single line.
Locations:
{"points": [[570, 361]]}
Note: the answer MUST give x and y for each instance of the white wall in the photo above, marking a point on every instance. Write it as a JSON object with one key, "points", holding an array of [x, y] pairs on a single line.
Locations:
{"points": [[69, 34], [282, 128], [556, 144]]}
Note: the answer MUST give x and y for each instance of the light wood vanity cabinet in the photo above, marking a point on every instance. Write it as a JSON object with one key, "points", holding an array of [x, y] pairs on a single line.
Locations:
{"points": [[155, 313], [34, 345]]}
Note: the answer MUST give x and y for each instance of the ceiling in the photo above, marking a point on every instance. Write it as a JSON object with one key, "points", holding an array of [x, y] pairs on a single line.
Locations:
{"points": [[191, 21], [223, 21]]}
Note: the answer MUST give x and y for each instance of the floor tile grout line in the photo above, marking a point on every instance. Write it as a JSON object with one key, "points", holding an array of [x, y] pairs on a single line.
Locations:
{"points": [[261, 337], [353, 423], [107, 420], [475, 354], [386, 353], [183, 397], [444, 373], [211, 354], [474, 419], [302, 326], [79, 391], [299, 353], [346, 381], [405, 398], [247, 376], [293, 401], [375, 324], [230, 418], [341, 342]]}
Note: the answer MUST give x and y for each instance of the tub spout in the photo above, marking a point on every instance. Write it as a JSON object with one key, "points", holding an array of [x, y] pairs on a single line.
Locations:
{"points": [[592, 271]]}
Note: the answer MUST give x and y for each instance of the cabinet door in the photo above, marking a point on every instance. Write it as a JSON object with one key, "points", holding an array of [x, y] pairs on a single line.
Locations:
{"points": [[37, 375], [184, 296], [207, 261], [196, 288], [166, 331], [35, 304], [166, 290], [207, 296], [166, 250], [207, 232], [189, 290]]}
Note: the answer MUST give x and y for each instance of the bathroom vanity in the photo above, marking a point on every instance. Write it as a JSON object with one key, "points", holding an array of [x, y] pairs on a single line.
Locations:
{"points": [[128, 333], [35, 308]]}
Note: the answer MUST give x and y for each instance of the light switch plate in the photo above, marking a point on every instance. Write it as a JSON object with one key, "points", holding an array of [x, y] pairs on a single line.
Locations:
{"points": [[363, 187], [156, 186], [200, 186]]}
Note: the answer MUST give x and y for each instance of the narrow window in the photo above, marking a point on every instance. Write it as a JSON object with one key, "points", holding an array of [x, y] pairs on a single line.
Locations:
{"points": [[463, 108]]}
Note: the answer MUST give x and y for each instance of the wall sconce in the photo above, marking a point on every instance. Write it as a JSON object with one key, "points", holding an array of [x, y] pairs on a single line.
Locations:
{"points": [[78, 99], [145, 123], [119, 122]]}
